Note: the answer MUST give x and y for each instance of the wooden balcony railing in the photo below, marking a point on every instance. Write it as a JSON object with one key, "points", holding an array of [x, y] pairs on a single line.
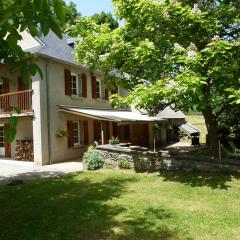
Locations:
{"points": [[21, 100]]}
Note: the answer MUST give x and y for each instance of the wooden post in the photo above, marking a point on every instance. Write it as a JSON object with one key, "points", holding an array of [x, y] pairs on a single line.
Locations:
{"points": [[102, 133], [154, 142]]}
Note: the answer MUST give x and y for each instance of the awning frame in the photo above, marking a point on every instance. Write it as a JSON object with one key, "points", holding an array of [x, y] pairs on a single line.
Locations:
{"points": [[100, 118]]}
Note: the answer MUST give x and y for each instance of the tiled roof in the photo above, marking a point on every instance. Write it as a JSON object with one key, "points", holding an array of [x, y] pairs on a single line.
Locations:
{"points": [[169, 113], [55, 48]]}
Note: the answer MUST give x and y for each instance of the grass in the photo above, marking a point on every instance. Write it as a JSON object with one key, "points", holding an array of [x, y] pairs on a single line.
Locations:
{"points": [[197, 120], [123, 205]]}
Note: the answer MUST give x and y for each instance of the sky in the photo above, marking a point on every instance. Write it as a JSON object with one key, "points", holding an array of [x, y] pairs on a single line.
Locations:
{"points": [[89, 7]]}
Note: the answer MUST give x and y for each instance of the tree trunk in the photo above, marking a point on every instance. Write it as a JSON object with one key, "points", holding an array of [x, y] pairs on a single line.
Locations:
{"points": [[211, 123]]}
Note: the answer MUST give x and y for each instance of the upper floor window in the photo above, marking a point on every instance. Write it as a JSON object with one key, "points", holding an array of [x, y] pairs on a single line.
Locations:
{"points": [[75, 89], [99, 89]]}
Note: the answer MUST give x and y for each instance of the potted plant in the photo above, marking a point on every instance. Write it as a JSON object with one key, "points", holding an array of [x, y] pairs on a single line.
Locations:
{"points": [[61, 134], [114, 141]]}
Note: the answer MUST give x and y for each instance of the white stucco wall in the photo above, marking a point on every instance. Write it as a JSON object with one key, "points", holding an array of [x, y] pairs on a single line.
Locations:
{"points": [[58, 120], [40, 129]]}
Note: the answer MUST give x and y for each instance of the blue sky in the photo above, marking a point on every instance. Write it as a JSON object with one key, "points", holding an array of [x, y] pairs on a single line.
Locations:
{"points": [[89, 7]]}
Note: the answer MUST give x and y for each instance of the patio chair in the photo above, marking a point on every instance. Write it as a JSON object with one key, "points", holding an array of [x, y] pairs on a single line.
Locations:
{"points": [[233, 147], [229, 154]]}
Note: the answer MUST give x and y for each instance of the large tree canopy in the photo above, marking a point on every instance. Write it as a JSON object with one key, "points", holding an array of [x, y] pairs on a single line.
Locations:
{"points": [[71, 13], [184, 52], [16, 16], [101, 18]]}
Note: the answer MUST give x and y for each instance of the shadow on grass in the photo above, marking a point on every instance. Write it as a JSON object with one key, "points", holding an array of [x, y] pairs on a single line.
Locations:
{"points": [[200, 179], [77, 208]]}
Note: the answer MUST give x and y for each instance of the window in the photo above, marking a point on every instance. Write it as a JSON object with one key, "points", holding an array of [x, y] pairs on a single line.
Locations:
{"points": [[78, 133], [75, 89], [98, 89]]}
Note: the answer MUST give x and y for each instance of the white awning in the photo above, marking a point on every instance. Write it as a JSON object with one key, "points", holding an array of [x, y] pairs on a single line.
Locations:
{"points": [[109, 114], [189, 129]]}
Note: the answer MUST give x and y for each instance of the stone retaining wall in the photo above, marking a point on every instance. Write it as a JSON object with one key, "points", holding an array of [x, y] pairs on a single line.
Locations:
{"points": [[160, 161]]}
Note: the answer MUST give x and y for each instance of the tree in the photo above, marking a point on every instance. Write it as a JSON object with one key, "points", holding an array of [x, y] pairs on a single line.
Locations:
{"points": [[71, 13], [169, 52], [101, 18], [16, 16]]}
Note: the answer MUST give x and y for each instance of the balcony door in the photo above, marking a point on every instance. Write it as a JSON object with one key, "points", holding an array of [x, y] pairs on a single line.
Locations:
{"points": [[2, 143]]}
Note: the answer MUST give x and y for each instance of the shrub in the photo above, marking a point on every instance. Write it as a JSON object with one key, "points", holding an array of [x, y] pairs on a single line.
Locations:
{"points": [[124, 164], [92, 159]]}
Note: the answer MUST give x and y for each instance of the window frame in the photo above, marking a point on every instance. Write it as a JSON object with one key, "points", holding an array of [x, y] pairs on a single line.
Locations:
{"points": [[77, 84], [100, 89], [78, 135]]}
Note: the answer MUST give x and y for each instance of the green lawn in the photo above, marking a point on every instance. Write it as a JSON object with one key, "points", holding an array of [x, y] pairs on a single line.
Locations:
{"points": [[122, 205], [197, 120]]}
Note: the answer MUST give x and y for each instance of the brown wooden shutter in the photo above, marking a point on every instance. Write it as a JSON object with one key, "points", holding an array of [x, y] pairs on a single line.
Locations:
{"points": [[21, 97], [7, 145], [68, 82], [84, 85], [106, 94], [5, 87], [5, 103], [85, 127], [94, 87], [21, 85], [70, 133]]}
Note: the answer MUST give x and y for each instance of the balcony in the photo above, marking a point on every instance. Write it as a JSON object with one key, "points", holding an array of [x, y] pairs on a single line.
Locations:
{"points": [[21, 100]]}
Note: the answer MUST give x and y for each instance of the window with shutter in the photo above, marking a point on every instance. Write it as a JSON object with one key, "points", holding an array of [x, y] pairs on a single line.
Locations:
{"points": [[5, 103], [84, 85], [76, 131], [94, 83], [22, 86], [85, 126], [75, 85], [68, 82], [70, 133], [98, 89]]}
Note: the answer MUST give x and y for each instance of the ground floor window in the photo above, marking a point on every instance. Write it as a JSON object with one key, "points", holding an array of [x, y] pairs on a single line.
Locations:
{"points": [[78, 133]]}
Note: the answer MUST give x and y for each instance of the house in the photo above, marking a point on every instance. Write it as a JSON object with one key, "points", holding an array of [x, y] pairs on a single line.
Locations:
{"points": [[68, 109]]}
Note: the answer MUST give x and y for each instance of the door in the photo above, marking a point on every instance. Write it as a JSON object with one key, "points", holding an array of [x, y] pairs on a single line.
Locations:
{"points": [[2, 145]]}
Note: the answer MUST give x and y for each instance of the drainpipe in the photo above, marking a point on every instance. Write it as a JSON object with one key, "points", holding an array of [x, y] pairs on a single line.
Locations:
{"points": [[48, 113]]}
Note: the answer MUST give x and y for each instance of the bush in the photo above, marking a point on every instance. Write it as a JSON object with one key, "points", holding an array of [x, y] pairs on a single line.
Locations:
{"points": [[124, 164], [92, 159]]}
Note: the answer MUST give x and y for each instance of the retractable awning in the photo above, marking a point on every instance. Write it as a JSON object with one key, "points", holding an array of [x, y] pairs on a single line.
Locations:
{"points": [[189, 130], [121, 116]]}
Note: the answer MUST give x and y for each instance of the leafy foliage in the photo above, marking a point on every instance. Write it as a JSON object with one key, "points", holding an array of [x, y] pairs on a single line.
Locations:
{"points": [[124, 164], [71, 13], [101, 18], [184, 53], [36, 16], [92, 159]]}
